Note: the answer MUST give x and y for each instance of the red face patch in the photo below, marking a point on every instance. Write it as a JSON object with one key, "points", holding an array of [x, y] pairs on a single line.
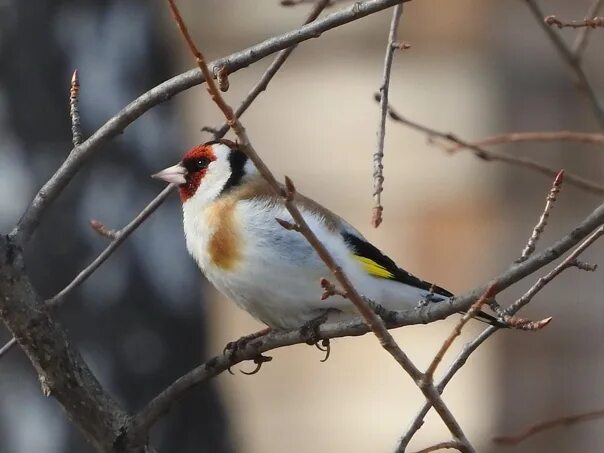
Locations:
{"points": [[196, 161]]}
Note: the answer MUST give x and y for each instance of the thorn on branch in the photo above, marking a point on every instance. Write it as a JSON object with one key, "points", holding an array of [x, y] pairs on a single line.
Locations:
{"points": [[551, 198], [74, 113], [290, 189], [104, 231]]}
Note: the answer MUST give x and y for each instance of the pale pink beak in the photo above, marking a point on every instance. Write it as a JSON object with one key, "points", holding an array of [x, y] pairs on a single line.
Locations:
{"points": [[174, 174]]}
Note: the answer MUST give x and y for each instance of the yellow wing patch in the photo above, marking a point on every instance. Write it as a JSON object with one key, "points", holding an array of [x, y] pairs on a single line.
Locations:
{"points": [[373, 268]]}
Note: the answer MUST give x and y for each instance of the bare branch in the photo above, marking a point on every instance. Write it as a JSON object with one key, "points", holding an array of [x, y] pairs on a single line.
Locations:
{"points": [[450, 445], [571, 61], [554, 136], [581, 41], [551, 198], [490, 293], [7, 347], [74, 113], [593, 22], [120, 236], [486, 155], [161, 93], [469, 348], [547, 425], [270, 72], [378, 156]]}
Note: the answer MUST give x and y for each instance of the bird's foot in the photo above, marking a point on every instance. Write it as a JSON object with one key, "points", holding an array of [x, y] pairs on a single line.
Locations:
{"points": [[310, 329], [258, 360], [232, 347], [310, 333]]}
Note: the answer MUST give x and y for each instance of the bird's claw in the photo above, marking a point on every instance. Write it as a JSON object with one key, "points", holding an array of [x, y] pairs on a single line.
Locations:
{"points": [[324, 346], [310, 329], [259, 360], [233, 346]]}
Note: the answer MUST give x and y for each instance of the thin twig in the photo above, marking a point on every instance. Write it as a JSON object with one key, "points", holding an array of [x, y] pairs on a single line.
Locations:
{"points": [[74, 113], [490, 293], [120, 236], [7, 347], [565, 421], [590, 22], [164, 91], [268, 75], [378, 156], [581, 41], [487, 155], [450, 445], [545, 136], [470, 347], [571, 61], [551, 198]]}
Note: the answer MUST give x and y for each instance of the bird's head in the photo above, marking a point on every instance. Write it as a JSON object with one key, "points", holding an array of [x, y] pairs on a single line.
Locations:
{"points": [[209, 170]]}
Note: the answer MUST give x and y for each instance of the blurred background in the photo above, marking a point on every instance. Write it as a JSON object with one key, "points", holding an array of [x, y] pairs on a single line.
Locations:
{"points": [[475, 68]]}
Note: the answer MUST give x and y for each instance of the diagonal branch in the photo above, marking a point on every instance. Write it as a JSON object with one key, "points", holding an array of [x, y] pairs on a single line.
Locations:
{"points": [[566, 421], [268, 75], [469, 348], [571, 61], [378, 156], [486, 155], [546, 136], [164, 91]]}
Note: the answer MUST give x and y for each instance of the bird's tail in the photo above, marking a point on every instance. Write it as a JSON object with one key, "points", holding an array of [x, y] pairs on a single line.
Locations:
{"points": [[490, 319]]}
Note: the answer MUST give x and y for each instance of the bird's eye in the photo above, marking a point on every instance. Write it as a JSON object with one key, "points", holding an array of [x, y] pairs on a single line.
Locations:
{"points": [[194, 165], [202, 162]]}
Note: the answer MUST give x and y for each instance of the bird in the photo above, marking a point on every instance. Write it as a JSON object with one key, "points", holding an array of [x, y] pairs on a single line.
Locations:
{"points": [[230, 228]]}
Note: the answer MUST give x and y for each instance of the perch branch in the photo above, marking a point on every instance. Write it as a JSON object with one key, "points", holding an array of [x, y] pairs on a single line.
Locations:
{"points": [[432, 312], [450, 445], [481, 153], [378, 156], [164, 91]]}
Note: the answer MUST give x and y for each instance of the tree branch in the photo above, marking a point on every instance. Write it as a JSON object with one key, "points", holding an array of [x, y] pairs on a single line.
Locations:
{"points": [[61, 370], [571, 61], [547, 136], [566, 421], [486, 155], [164, 91], [378, 156], [469, 348], [268, 75]]}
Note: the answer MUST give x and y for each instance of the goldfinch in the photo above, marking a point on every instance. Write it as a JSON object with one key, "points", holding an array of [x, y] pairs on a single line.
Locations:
{"points": [[229, 214]]}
